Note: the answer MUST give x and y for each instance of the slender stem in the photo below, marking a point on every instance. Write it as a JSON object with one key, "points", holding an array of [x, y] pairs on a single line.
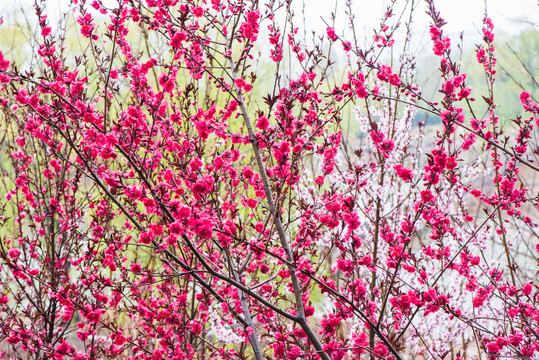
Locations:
{"points": [[300, 319], [253, 339]]}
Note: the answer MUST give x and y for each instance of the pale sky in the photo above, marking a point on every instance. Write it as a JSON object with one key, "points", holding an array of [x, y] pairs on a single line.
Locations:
{"points": [[509, 16], [461, 13]]}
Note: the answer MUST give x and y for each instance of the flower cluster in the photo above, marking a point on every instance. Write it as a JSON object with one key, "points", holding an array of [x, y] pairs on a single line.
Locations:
{"points": [[174, 201]]}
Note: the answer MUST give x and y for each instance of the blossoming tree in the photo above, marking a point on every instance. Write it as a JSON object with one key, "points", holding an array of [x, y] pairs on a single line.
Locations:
{"points": [[180, 185]]}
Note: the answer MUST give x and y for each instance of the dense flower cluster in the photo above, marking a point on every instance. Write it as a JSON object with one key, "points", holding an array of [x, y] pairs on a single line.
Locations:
{"points": [[165, 202]]}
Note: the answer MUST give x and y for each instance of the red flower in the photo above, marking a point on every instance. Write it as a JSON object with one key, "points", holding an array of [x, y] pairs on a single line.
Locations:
{"points": [[262, 123], [404, 173], [46, 31], [427, 196], [331, 33]]}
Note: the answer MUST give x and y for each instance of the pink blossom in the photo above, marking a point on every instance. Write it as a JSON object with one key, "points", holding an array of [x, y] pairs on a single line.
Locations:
{"points": [[4, 64], [331, 33], [402, 172], [262, 123], [14, 253], [45, 31], [426, 196], [527, 289]]}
